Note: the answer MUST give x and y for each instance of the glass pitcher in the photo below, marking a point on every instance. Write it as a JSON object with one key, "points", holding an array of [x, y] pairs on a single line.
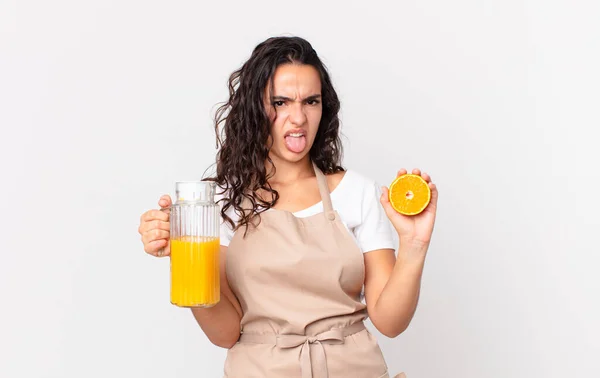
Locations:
{"points": [[195, 220]]}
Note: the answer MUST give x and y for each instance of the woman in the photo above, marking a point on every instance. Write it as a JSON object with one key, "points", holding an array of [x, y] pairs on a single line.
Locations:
{"points": [[302, 239]]}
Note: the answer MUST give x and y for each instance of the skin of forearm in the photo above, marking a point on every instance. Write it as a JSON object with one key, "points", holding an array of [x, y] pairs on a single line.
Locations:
{"points": [[220, 323], [398, 300]]}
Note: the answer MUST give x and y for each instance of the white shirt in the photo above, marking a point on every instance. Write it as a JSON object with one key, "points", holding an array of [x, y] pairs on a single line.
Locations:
{"points": [[356, 199]]}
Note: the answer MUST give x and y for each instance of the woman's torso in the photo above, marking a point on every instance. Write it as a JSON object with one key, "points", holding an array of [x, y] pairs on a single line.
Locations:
{"points": [[297, 279]]}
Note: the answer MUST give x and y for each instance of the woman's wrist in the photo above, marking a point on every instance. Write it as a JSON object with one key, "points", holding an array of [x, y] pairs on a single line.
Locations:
{"points": [[412, 252]]}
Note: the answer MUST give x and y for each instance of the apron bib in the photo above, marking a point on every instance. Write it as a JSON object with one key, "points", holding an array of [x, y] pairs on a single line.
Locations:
{"points": [[299, 283]]}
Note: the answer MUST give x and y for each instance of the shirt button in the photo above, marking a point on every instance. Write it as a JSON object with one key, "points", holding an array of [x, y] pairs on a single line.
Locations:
{"points": [[331, 216]]}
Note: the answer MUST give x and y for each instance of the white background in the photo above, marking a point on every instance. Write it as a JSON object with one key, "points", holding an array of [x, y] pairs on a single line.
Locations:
{"points": [[105, 104]]}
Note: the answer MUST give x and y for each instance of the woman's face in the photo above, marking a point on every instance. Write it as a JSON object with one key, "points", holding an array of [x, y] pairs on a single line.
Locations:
{"points": [[295, 112]]}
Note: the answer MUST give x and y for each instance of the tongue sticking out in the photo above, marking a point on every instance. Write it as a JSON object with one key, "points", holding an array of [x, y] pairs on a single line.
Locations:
{"points": [[295, 144]]}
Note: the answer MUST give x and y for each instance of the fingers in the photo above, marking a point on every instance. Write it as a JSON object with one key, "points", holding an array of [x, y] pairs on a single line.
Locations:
{"points": [[385, 193], [385, 202], [154, 234], [427, 179], [416, 171], [151, 215], [434, 194], [155, 229], [154, 225], [158, 248], [165, 201]]}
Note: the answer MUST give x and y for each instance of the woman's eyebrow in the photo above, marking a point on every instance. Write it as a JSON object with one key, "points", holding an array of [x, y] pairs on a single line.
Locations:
{"points": [[283, 98]]}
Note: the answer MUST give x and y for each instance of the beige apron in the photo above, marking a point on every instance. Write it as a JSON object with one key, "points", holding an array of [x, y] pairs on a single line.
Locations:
{"points": [[299, 282]]}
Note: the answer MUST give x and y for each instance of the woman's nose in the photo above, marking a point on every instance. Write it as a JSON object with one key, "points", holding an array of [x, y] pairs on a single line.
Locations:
{"points": [[297, 115]]}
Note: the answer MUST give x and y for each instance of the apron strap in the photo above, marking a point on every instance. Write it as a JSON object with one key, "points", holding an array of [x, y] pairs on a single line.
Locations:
{"points": [[323, 190], [325, 196], [318, 361]]}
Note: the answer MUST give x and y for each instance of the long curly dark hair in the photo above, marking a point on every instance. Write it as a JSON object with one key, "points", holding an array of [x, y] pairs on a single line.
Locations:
{"points": [[242, 127]]}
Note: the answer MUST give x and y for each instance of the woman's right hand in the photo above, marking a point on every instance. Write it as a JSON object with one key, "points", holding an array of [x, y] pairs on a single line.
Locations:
{"points": [[155, 228]]}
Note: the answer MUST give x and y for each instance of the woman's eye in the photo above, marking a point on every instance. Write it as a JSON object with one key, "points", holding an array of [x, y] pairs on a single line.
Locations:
{"points": [[278, 103]]}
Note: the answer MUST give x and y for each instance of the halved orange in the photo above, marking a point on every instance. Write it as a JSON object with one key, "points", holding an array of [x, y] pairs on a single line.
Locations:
{"points": [[409, 194]]}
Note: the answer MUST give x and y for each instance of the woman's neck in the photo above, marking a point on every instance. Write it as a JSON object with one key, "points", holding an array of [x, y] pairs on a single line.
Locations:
{"points": [[289, 172]]}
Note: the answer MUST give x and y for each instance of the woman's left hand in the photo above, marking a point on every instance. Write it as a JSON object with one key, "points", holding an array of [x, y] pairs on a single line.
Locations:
{"points": [[415, 228]]}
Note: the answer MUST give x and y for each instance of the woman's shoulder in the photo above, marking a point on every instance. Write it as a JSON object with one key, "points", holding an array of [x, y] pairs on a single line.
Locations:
{"points": [[355, 193], [353, 181]]}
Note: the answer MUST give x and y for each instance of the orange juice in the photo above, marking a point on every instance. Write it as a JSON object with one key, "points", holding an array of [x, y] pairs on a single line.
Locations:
{"points": [[195, 271]]}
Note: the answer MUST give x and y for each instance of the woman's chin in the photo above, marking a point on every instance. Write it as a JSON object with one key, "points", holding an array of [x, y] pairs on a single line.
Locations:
{"points": [[288, 156]]}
